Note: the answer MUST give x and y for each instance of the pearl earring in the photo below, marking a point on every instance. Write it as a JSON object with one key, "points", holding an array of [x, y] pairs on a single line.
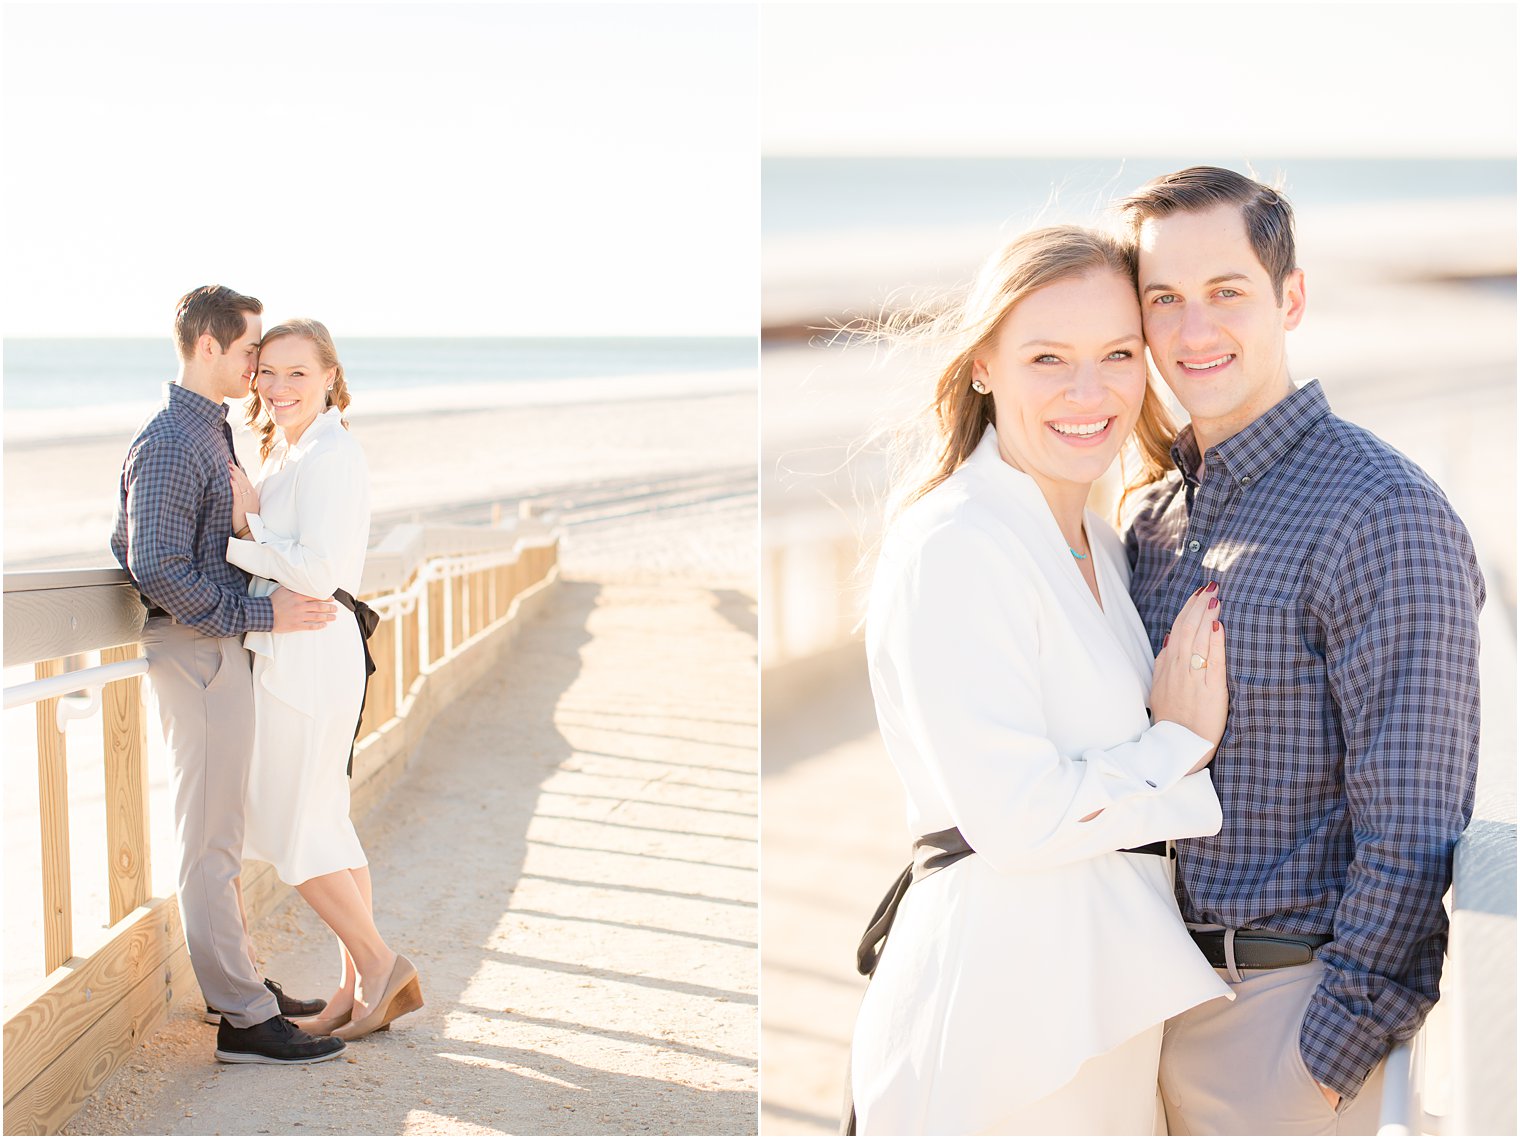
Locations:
{"points": [[978, 387]]}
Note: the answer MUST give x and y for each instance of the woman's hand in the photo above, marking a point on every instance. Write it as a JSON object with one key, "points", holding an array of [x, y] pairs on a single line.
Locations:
{"points": [[245, 499], [1196, 698]]}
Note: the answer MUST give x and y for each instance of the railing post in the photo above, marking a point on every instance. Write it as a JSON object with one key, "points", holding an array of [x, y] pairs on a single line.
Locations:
{"points": [[411, 647], [53, 809], [437, 594], [380, 703], [456, 611], [126, 771]]}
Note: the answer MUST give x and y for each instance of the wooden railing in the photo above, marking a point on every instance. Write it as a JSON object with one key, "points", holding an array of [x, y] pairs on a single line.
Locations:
{"points": [[450, 599]]}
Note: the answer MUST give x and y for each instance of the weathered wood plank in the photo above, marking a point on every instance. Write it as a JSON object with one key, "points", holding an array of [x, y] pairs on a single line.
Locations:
{"points": [[68, 1002], [126, 772], [27, 581], [43, 1106], [53, 815], [41, 624]]}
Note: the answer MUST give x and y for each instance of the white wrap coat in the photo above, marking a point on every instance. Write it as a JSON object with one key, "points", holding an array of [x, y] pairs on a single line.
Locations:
{"points": [[1012, 706], [310, 535]]}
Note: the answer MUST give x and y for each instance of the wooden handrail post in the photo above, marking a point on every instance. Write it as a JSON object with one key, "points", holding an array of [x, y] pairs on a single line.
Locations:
{"points": [[411, 648], [380, 703], [53, 809], [457, 617], [437, 594], [126, 752]]}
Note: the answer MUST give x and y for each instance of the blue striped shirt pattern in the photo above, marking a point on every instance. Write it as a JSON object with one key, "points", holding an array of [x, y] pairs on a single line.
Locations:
{"points": [[174, 516], [1349, 592]]}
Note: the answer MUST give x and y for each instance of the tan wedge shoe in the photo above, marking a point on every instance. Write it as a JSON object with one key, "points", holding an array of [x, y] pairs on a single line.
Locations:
{"points": [[403, 994], [325, 1025]]}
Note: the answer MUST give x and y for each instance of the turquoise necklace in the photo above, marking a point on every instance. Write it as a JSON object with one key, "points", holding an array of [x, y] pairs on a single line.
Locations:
{"points": [[1079, 557]]}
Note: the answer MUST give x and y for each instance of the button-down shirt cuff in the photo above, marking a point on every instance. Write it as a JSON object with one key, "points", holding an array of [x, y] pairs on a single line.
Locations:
{"points": [[1339, 1048], [260, 614]]}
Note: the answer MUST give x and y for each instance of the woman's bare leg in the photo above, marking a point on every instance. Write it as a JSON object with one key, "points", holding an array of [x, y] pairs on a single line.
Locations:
{"points": [[344, 905], [343, 1000]]}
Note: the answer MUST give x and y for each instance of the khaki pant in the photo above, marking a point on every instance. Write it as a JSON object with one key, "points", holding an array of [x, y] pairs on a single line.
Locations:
{"points": [[1234, 1067], [203, 687]]}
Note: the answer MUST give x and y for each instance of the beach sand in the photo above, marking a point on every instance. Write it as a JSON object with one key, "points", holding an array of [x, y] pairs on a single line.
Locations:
{"points": [[452, 458]]}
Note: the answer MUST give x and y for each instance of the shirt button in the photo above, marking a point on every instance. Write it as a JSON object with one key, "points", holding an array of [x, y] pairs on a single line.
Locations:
{"points": [[1194, 546], [1245, 480]]}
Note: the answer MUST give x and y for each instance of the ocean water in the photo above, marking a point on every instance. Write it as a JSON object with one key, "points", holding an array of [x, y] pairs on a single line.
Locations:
{"points": [[807, 195], [50, 375]]}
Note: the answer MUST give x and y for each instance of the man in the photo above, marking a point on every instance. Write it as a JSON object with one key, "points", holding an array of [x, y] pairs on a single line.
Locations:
{"points": [[1349, 593], [173, 520]]}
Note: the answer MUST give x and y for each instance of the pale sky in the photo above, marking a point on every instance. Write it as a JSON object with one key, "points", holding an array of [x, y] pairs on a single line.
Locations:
{"points": [[392, 169], [1055, 79]]}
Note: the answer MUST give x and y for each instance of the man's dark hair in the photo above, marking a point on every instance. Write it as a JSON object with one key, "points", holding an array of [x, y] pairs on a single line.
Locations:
{"points": [[1267, 215], [213, 309]]}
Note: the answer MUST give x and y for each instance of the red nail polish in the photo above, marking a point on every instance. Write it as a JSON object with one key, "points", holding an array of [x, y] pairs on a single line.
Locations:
{"points": [[1216, 626], [1165, 639], [1213, 603], [1211, 587]]}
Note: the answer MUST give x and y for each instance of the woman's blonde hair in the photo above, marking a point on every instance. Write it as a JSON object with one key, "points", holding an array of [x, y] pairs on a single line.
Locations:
{"points": [[942, 437], [327, 357]]}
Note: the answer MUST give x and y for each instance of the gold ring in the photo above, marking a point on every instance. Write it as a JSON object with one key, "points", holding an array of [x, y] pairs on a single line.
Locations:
{"points": [[1198, 662]]}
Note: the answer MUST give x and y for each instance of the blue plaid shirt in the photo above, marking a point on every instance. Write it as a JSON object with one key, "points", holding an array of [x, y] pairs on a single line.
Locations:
{"points": [[174, 516], [1349, 593]]}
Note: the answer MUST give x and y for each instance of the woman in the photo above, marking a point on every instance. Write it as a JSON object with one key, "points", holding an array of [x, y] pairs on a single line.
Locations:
{"points": [[306, 527], [1023, 987]]}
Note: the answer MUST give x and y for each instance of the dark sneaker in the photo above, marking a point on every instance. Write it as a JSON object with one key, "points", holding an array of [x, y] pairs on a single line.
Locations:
{"points": [[276, 1041], [290, 1007]]}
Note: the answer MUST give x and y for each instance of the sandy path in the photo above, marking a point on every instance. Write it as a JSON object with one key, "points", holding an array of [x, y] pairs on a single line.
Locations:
{"points": [[570, 859], [824, 866]]}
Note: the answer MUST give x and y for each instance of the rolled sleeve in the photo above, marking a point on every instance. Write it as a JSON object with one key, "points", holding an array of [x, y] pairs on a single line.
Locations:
{"points": [[1401, 653]]}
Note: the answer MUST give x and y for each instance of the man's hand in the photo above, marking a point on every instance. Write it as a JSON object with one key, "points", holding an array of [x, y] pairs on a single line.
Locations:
{"points": [[1332, 1098], [295, 613]]}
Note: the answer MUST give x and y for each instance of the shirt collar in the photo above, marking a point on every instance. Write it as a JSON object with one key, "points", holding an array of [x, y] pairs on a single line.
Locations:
{"points": [[182, 399], [1253, 449], [327, 421]]}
